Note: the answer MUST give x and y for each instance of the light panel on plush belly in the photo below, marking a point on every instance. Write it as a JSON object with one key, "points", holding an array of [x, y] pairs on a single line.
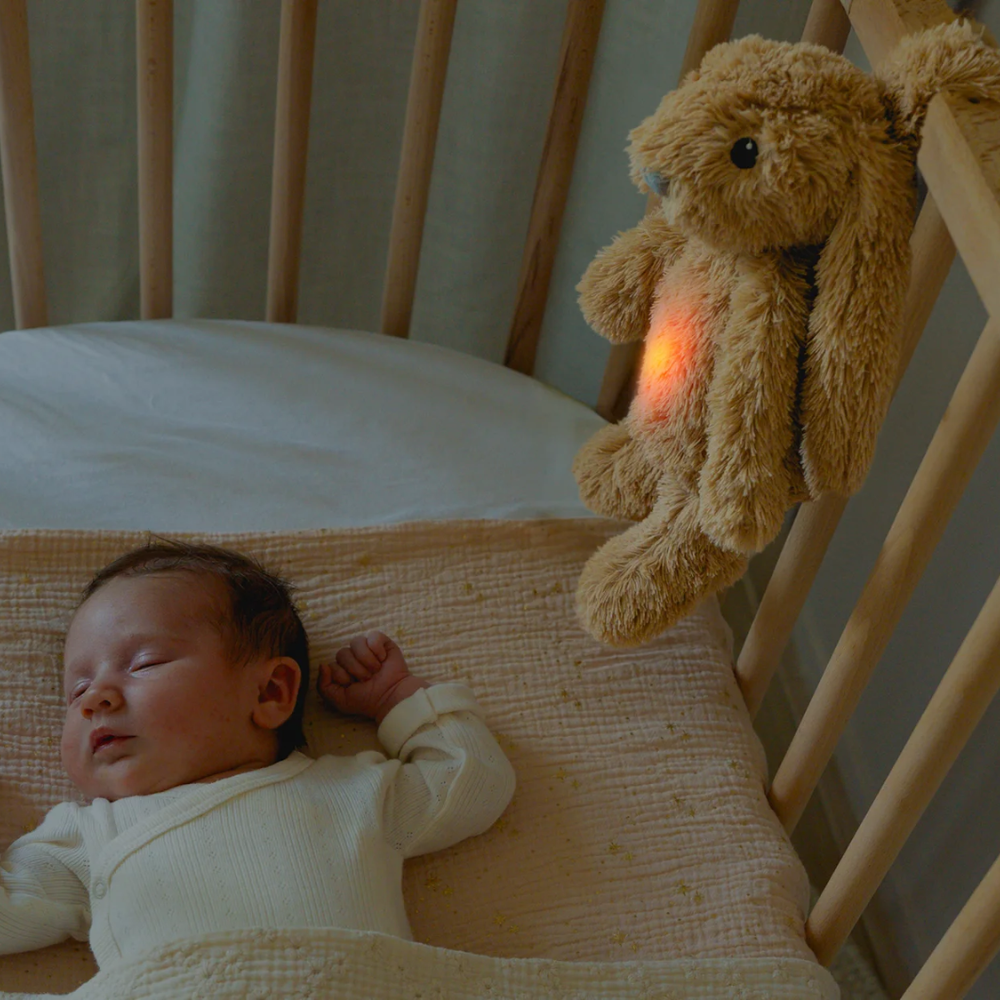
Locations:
{"points": [[676, 371]]}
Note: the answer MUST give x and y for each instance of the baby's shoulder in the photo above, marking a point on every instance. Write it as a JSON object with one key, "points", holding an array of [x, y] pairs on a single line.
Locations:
{"points": [[358, 774]]}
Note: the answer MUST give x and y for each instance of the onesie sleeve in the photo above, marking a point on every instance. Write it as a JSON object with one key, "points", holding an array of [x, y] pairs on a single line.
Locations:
{"points": [[42, 898], [454, 781]]}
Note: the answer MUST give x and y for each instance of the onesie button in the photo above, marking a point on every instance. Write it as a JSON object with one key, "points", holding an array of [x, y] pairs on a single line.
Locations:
{"points": [[100, 888]]}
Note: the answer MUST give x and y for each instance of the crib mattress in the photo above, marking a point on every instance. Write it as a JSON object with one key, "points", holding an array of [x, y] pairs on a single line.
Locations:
{"points": [[212, 425], [639, 829]]}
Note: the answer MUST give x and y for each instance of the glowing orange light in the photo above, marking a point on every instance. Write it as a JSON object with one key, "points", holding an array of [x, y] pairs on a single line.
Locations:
{"points": [[662, 354], [667, 361]]}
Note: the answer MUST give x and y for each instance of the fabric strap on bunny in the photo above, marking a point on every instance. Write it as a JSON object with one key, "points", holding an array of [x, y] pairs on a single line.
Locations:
{"points": [[768, 289]]}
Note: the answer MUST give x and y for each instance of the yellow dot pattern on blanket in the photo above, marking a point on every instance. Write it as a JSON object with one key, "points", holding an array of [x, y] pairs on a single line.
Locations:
{"points": [[640, 826]]}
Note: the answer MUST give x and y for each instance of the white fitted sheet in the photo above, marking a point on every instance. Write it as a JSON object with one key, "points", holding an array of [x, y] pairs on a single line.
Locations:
{"points": [[219, 425]]}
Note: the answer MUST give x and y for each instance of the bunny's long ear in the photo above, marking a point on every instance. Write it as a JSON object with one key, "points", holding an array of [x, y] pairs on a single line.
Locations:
{"points": [[854, 327], [953, 56]]}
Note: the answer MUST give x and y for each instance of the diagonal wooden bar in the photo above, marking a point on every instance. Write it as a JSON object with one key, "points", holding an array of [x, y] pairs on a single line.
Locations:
{"points": [[966, 948], [576, 61], [423, 114], [20, 168], [965, 692], [827, 24], [816, 522], [154, 24], [713, 22], [951, 458], [296, 50]]}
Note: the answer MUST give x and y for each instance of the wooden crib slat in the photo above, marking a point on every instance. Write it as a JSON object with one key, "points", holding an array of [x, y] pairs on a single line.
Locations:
{"points": [[966, 948], [815, 523], [618, 381], [827, 24], [154, 22], [423, 113], [880, 24], [296, 49], [576, 60], [713, 23], [968, 687], [20, 168], [951, 458]]}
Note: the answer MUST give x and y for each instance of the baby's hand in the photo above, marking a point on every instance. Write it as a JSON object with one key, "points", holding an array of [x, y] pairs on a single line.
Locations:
{"points": [[363, 678]]}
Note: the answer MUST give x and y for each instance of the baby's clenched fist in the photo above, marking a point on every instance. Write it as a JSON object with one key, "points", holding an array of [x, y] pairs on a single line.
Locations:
{"points": [[369, 677]]}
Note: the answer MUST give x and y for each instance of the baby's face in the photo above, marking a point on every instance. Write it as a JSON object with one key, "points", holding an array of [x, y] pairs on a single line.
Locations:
{"points": [[143, 660]]}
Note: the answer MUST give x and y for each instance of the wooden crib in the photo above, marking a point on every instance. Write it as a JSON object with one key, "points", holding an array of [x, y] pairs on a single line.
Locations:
{"points": [[961, 212]]}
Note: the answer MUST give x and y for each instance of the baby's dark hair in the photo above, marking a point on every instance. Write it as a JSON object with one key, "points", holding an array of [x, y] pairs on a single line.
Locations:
{"points": [[261, 619]]}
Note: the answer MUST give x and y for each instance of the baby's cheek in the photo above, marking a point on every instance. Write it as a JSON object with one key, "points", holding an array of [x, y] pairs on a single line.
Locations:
{"points": [[69, 749]]}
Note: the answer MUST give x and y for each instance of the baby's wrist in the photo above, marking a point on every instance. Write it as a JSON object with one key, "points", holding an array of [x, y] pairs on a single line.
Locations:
{"points": [[401, 690]]}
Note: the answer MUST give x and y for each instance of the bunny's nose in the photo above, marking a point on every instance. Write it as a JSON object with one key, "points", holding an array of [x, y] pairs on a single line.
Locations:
{"points": [[656, 182]]}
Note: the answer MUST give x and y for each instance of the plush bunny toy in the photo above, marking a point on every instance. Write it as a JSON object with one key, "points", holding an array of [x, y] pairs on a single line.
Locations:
{"points": [[768, 288]]}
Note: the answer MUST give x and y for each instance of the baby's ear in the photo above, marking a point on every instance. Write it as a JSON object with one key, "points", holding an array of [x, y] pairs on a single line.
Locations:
{"points": [[855, 324], [278, 693]]}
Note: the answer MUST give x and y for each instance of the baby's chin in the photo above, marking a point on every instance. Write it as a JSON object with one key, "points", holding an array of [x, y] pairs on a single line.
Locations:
{"points": [[123, 779]]}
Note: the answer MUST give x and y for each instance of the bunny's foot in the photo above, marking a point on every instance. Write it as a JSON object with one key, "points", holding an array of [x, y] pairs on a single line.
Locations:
{"points": [[643, 581], [614, 476]]}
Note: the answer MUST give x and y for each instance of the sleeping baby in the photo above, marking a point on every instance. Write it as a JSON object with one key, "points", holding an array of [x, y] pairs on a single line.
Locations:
{"points": [[186, 670]]}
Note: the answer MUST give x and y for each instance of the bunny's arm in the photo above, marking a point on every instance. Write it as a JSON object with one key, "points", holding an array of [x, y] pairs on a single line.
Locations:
{"points": [[617, 289], [744, 485]]}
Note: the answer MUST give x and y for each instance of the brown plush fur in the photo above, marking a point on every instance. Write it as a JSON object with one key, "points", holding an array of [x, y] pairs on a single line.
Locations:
{"points": [[770, 301]]}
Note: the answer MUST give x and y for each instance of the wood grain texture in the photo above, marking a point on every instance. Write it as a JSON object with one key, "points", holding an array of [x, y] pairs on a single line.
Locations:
{"points": [[968, 687], [154, 22], [960, 440], [827, 24], [296, 49], [967, 947], [423, 114], [20, 168], [576, 61]]}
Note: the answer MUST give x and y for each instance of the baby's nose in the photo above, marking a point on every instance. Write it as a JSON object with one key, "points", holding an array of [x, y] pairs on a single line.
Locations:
{"points": [[99, 698]]}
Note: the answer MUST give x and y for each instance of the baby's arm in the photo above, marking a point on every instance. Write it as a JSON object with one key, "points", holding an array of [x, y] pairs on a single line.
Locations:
{"points": [[42, 898], [454, 780]]}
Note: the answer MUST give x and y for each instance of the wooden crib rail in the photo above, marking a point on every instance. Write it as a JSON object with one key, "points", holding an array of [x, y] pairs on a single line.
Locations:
{"points": [[576, 60], [154, 23], [423, 114], [951, 458], [20, 170], [815, 523], [967, 947], [959, 703], [296, 51], [961, 171]]}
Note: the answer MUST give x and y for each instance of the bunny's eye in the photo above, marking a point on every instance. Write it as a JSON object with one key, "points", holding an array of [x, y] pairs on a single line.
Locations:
{"points": [[744, 153]]}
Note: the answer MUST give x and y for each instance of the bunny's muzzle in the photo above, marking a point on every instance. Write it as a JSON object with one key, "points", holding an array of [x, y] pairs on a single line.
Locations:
{"points": [[656, 182]]}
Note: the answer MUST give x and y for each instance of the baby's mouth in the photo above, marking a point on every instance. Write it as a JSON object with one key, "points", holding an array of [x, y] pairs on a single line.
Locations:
{"points": [[109, 741]]}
